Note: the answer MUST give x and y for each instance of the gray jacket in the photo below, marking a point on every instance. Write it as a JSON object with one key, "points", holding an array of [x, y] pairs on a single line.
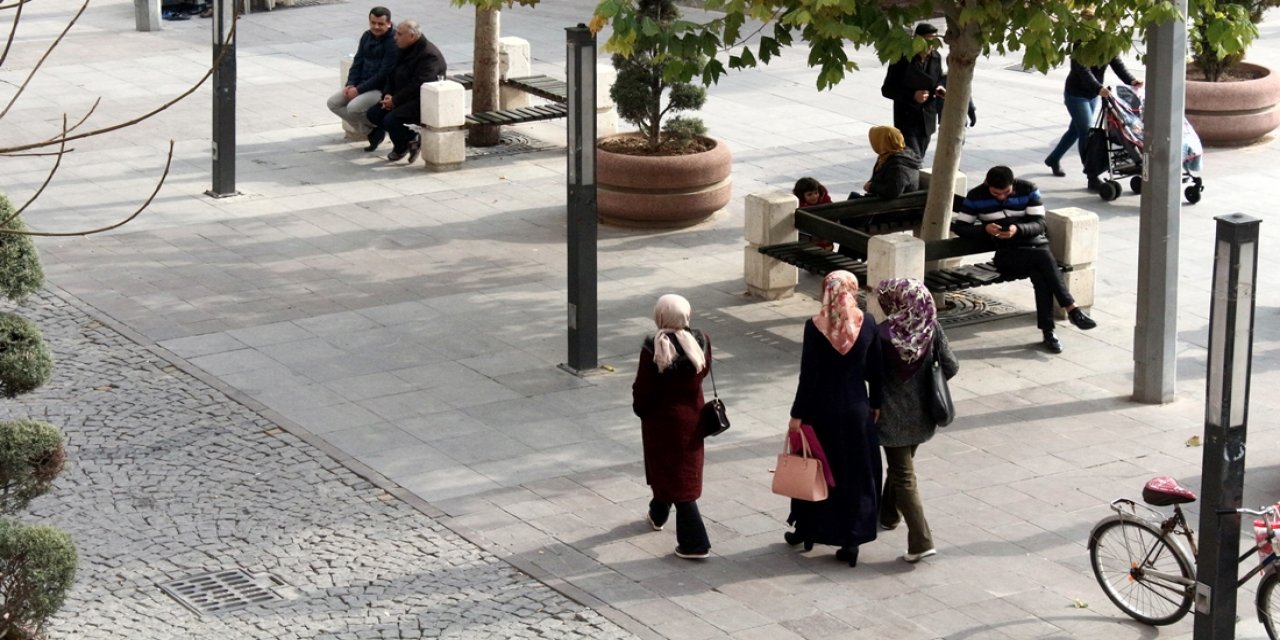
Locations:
{"points": [[904, 418]]}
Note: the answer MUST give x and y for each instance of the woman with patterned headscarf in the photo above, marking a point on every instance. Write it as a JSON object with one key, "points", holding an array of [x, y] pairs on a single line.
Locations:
{"points": [[839, 396], [667, 396], [910, 335]]}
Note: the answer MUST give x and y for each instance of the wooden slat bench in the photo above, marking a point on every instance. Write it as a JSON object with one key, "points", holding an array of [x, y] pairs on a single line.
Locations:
{"points": [[542, 86], [852, 223]]}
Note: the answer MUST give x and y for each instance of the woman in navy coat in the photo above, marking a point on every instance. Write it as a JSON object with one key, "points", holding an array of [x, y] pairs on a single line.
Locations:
{"points": [[839, 394]]}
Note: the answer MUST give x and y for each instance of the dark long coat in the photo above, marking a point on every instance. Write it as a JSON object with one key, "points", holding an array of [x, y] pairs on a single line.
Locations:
{"points": [[668, 404], [416, 64], [901, 81], [835, 395]]}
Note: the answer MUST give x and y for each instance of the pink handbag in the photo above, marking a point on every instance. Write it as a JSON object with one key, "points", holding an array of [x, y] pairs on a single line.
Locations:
{"points": [[800, 475]]}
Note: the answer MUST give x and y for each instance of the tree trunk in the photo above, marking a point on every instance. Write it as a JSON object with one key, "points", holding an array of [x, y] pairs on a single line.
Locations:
{"points": [[961, 60], [484, 93]]}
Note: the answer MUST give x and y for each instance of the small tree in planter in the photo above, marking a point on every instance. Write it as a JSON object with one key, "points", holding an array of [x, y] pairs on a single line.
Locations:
{"points": [[37, 567], [1220, 33], [646, 79]]}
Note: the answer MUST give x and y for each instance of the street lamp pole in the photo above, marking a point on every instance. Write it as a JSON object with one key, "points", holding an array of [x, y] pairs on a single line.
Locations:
{"points": [[581, 79], [224, 100], [1235, 270]]}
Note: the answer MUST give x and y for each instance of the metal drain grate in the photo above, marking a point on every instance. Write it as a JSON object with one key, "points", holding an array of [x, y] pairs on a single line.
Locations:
{"points": [[223, 590], [509, 144]]}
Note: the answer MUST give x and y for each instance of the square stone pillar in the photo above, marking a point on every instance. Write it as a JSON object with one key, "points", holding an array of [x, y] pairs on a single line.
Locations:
{"points": [[515, 61], [770, 219], [961, 182], [1073, 239], [146, 15], [606, 111], [444, 134], [892, 255]]}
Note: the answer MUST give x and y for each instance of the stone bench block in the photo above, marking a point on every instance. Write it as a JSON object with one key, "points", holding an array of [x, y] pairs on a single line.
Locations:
{"points": [[893, 255], [771, 218], [344, 68], [1073, 236], [444, 150], [1081, 283], [961, 181], [515, 61], [444, 105], [766, 277]]}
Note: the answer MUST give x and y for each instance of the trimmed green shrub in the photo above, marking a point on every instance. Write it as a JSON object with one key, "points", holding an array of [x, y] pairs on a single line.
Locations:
{"points": [[25, 360], [37, 568], [645, 76], [31, 457], [20, 272]]}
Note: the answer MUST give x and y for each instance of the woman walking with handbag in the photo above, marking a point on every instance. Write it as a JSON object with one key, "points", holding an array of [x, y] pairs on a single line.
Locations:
{"points": [[911, 339], [667, 396], [839, 396]]}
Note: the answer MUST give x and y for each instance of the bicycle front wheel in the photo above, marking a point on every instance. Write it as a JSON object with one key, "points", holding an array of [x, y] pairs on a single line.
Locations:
{"points": [[1139, 569], [1268, 594]]}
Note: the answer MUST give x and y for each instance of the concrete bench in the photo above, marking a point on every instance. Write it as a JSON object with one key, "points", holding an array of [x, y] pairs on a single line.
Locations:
{"points": [[876, 242], [444, 116]]}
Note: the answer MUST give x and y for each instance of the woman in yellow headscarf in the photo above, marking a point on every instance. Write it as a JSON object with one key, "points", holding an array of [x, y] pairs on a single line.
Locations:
{"points": [[897, 168]]}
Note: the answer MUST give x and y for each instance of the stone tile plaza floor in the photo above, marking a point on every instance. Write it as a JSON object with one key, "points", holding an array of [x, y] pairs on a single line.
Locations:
{"points": [[345, 378]]}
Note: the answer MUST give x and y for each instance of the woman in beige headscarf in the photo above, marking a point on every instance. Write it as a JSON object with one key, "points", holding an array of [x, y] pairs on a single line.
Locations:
{"points": [[667, 395], [897, 169], [839, 396]]}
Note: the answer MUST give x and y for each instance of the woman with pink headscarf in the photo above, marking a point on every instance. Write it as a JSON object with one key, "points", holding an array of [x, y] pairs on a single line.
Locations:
{"points": [[839, 396], [667, 396]]}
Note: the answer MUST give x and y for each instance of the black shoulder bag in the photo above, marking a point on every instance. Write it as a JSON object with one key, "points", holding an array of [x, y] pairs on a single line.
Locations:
{"points": [[713, 419]]}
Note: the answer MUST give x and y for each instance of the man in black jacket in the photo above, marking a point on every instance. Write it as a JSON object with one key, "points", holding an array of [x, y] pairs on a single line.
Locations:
{"points": [[915, 84], [417, 62], [373, 61], [1010, 212]]}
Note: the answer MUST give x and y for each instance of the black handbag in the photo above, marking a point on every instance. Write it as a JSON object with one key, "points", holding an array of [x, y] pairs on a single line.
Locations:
{"points": [[713, 419], [941, 408]]}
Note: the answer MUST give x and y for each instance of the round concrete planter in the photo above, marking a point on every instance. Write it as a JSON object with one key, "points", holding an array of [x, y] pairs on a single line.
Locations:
{"points": [[662, 192], [1228, 114]]}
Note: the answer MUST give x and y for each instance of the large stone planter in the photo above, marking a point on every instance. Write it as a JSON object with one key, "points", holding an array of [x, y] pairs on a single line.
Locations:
{"points": [[1227, 114], [662, 192]]}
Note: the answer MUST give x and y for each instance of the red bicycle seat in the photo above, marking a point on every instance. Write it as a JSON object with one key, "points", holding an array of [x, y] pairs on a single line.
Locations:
{"points": [[1164, 491]]}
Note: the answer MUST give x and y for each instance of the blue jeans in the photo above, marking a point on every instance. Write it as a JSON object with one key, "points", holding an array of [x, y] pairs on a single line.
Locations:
{"points": [[1083, 111]]}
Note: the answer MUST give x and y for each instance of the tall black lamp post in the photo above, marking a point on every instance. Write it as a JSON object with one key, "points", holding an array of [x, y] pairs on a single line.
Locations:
{"points": [[224, 100], [1235, 270], [581, 75]]}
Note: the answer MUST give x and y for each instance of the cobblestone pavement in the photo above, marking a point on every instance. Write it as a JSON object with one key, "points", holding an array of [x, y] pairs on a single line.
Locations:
{"points": [[168, 478]]}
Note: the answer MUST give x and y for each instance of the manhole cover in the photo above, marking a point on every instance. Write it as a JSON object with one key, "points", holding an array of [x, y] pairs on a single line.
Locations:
{"points": [[223, 590], [967, 307], [509, 144]]}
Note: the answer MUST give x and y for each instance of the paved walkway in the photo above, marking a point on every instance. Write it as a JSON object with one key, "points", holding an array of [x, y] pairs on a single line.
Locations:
{"points": [[409, 324]]}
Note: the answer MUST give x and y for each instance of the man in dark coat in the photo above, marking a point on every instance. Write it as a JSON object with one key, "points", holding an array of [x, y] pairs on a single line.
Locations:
{"points": [[915, 84], [417, 62], [374, 58]]}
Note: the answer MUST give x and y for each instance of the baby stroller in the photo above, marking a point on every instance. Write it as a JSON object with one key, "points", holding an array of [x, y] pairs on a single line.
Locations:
{"points": [[1114, 147]]}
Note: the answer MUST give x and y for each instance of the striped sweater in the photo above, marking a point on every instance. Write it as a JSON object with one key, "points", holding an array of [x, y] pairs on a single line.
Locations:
{"points": [[1022, 208]]}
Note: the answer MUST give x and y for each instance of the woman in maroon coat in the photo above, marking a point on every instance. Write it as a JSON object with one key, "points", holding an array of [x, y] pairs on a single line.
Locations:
{"points": [[667, 395]]}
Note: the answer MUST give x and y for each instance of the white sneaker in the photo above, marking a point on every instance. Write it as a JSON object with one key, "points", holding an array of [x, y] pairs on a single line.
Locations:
{"points": [[648, 517], [917, 557], [691, 555]]}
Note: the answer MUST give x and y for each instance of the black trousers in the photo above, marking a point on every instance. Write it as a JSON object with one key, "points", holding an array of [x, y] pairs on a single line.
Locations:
{"points": [[1038, 264], [918, 141], [691, 534], [394, 121]]}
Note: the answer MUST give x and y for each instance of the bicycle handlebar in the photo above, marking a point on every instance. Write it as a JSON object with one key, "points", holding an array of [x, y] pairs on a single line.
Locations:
{"points": [[1252, 512]]}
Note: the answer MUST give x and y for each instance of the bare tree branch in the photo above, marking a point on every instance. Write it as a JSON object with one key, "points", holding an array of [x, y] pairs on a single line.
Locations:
{"points": [[19, 3], [86, 116], [52, 141], [44, 57], [62, 150], [63, 234], [13, 30], [32, 155]]}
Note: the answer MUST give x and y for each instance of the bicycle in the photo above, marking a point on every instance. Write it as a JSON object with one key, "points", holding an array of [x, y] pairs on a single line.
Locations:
{"points": [[1143, 568]]}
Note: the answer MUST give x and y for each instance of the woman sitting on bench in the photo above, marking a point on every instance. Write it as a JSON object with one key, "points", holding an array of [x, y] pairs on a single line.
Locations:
{"points": [[897, 169]]}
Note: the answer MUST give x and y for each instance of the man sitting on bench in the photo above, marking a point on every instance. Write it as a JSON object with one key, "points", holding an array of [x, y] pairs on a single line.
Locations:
{"points": [[1009, 211], [418, 61], [373, 61]]}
